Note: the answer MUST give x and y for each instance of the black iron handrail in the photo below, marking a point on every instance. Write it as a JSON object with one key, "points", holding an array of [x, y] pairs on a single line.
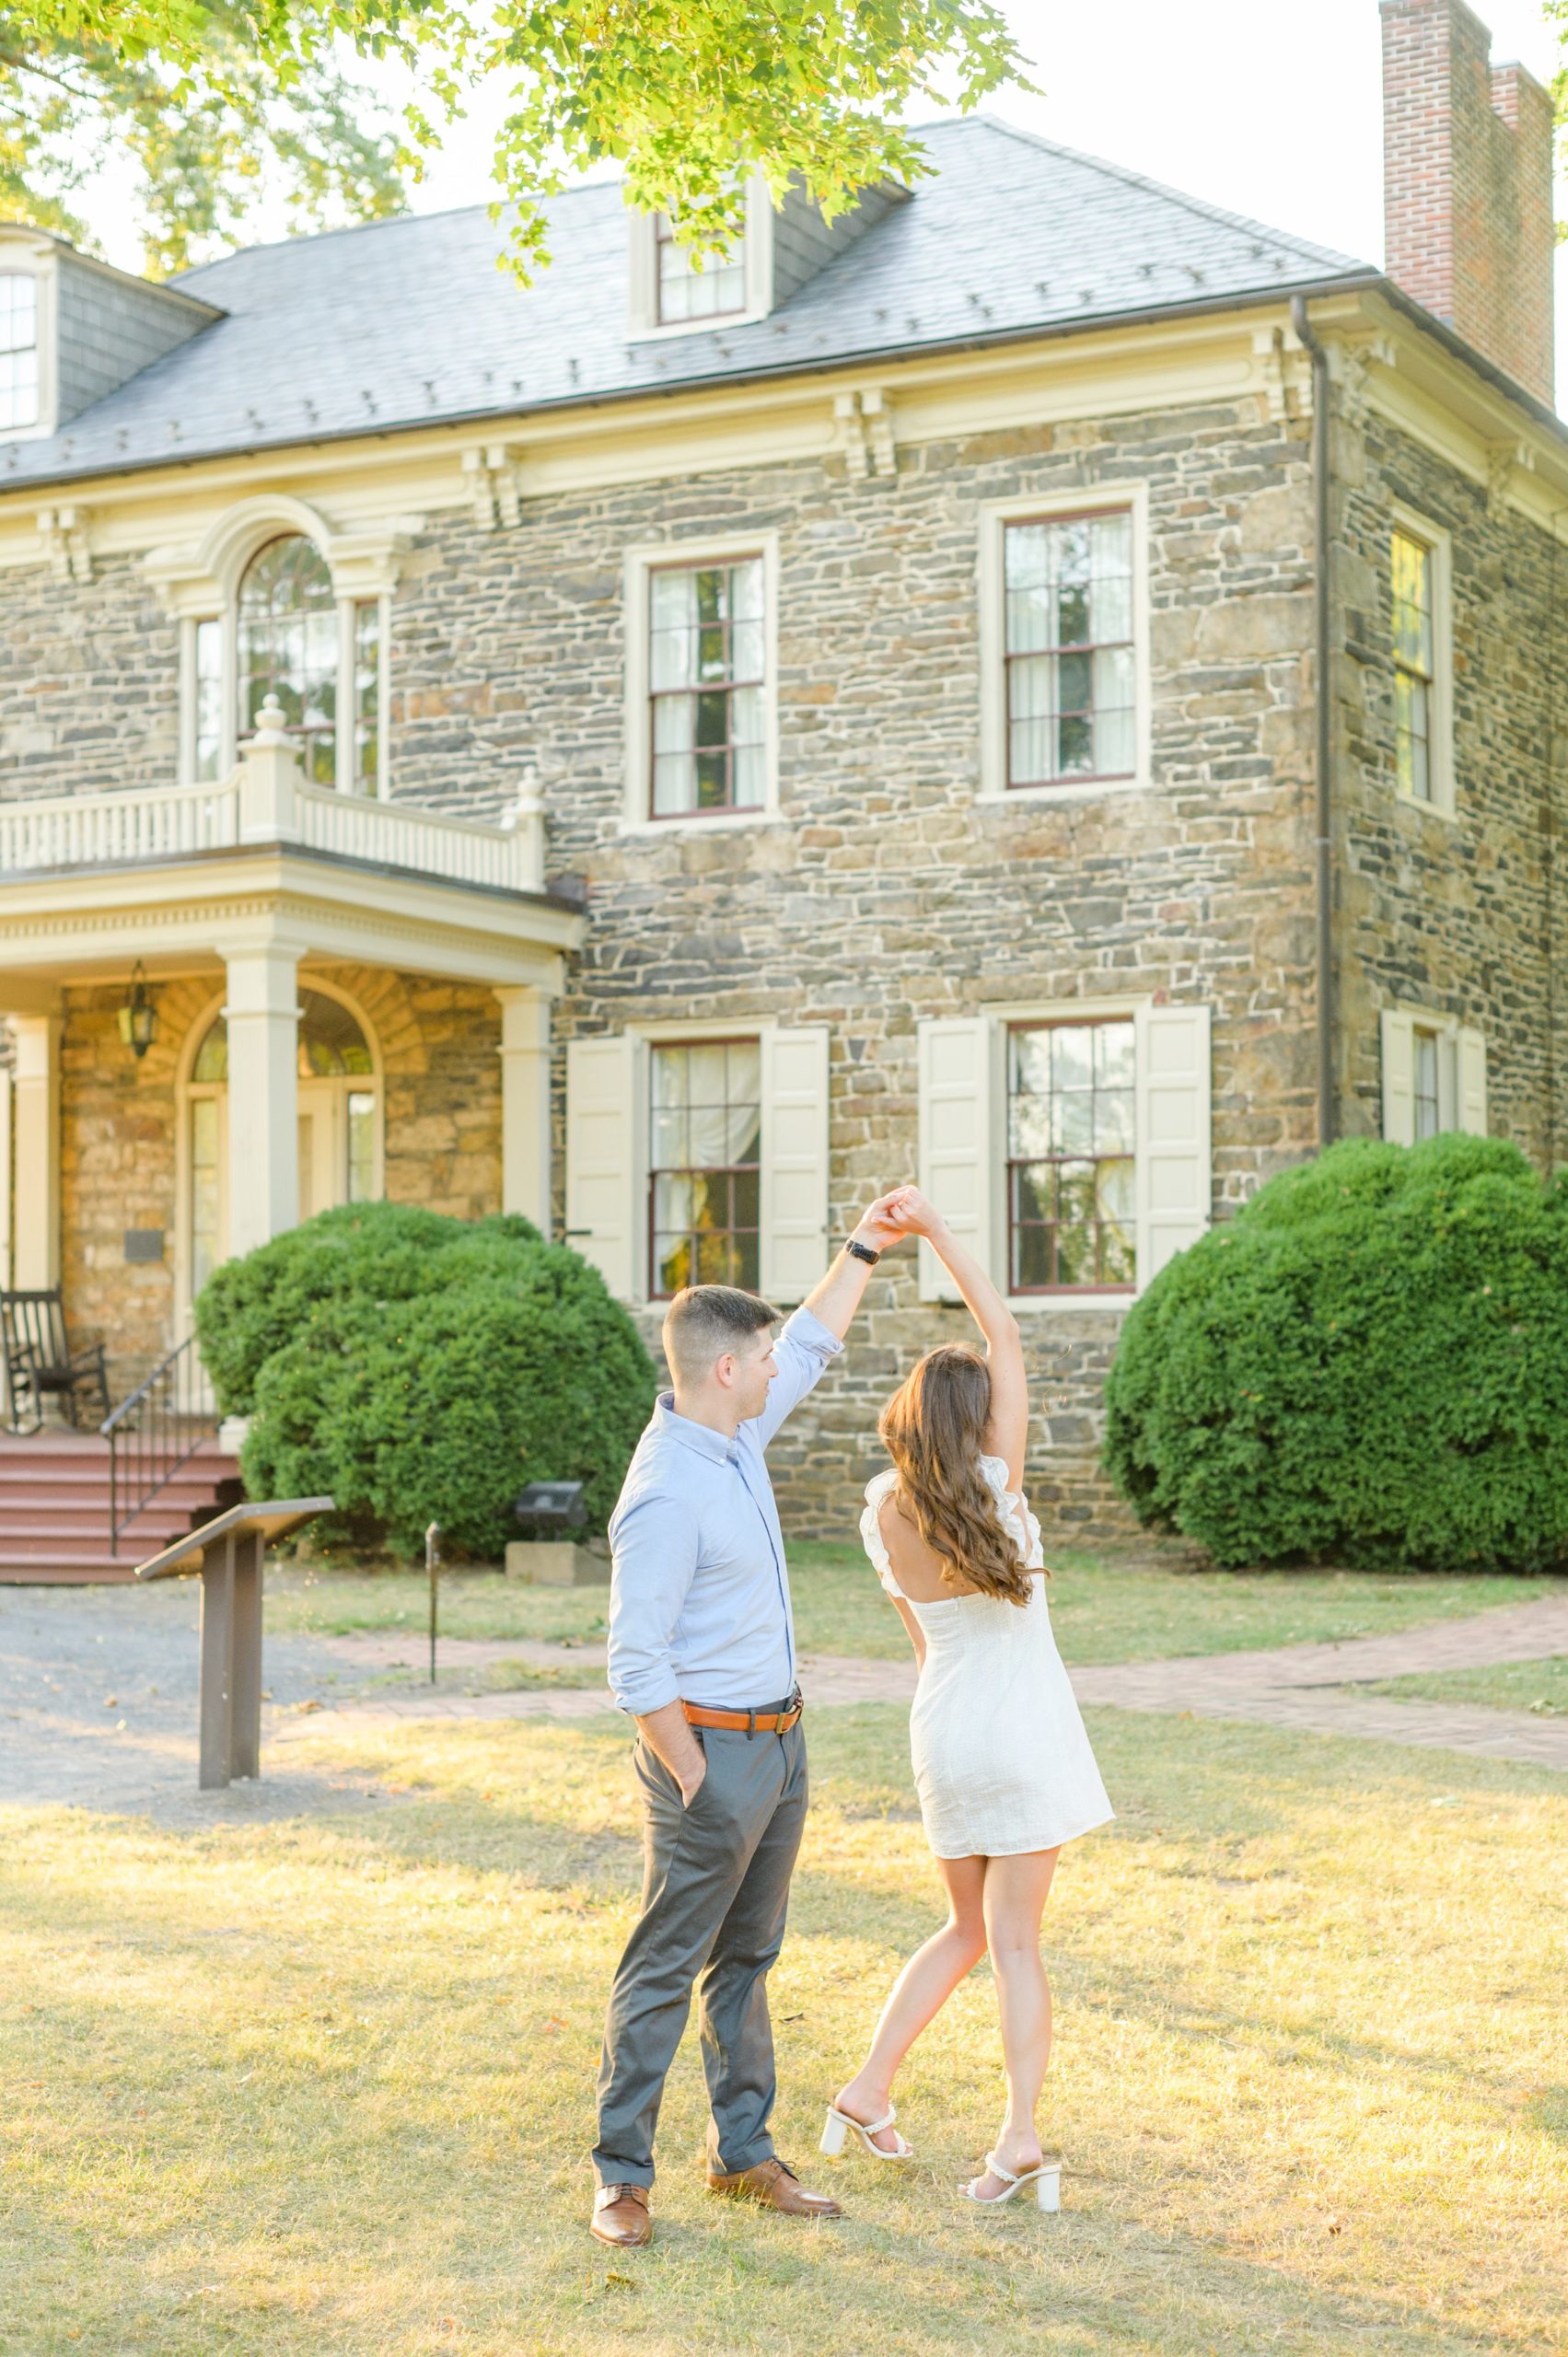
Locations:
{"points": [[158, 1429]]}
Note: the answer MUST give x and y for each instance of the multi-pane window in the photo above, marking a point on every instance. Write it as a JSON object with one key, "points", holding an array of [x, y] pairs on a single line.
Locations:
{"points": [[1426, 1061], [367, 695], [1071, 694], [1070, 1157], [708, 656], [288, 648], [207, 690], [18, 350], [361, 1146], [687, 292], [1414, 665], [705, 1164]]}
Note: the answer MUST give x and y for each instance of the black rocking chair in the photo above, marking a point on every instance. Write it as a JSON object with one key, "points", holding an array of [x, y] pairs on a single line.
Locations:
{"points": [[41, 1364]]}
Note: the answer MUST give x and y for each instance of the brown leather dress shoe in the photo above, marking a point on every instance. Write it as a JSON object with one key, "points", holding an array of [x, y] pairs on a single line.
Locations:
{"points": [[774, 2187], [620, 2216]]}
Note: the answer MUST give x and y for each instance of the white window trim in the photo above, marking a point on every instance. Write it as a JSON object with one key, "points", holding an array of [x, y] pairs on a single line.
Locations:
{"points": [[641, 564], [202, 583], [643, 322], [645, 1038], [21, 258], [1456, 1039], [1001, 1020], [995, 515], [1443, 802]]}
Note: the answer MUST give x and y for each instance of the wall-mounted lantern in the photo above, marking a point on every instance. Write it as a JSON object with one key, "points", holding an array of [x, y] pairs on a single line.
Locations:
{"points": [[138, 1016]]}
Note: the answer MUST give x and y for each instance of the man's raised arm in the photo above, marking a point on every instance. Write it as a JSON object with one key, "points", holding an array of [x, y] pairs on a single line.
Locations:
{"points": [[813, 1335]]}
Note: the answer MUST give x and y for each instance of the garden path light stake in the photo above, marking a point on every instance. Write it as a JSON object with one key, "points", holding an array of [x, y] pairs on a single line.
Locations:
{"points": [[431, 1565]]}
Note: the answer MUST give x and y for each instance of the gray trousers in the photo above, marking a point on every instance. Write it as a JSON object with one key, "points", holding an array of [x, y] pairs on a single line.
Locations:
{"points": [[716, 1890]]}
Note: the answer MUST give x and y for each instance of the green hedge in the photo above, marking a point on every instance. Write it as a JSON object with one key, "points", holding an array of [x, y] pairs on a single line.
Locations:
{"points": [[1367, 1365], [418, 1369]]}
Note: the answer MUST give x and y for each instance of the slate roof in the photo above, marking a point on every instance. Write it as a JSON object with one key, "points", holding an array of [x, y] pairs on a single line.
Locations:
{"points": [[409, 322]]}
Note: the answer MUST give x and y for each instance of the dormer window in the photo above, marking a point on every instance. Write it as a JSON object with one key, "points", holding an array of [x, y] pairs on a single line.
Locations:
{"points": [[687, 292], [18, 350]]}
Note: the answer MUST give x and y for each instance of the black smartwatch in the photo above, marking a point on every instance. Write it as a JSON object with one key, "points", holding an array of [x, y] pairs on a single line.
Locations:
{"points": [[862, 1252]]}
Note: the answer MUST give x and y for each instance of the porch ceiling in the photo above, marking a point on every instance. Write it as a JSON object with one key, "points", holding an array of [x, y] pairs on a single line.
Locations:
{"points": [[187, 914]]}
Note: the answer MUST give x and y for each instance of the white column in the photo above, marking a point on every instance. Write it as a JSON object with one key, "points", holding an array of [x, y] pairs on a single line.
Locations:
{"points": [[36, 1103], [268, 781], [263, 1092], [525, 1104]]}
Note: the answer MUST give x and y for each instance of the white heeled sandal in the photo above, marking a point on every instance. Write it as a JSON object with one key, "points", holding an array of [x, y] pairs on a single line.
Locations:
{"points": [[1046, 2180], [840, 2125]]}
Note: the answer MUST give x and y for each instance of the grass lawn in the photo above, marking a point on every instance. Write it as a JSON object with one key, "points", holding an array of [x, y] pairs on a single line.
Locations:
{"points": [[323, 2086], [1539, 1686], [1106, 1607]]}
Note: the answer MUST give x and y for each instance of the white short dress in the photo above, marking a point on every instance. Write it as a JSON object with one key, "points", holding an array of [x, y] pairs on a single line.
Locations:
{"points": [[1001, 1762]]}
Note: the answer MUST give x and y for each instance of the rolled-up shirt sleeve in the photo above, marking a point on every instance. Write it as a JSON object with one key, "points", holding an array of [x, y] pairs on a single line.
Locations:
{"points": [[803, 1350], [654, 1561]]}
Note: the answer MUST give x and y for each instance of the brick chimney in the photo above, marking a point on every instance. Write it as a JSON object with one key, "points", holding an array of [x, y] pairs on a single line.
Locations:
{"points": [[1467, 185]]}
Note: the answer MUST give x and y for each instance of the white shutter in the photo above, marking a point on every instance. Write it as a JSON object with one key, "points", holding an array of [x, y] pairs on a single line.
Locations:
{"points": [[1174, 1171], [602, 1163], [958, 1152], [1470, 1059], [1398, 1076], [795, 1160]]}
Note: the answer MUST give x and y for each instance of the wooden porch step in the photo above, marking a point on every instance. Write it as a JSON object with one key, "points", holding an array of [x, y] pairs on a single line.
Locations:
{"points": [[54, 1496], [82, 1571]]}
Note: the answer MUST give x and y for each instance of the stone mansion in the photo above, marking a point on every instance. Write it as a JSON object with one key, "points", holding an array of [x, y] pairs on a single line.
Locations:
{"points": [[1039, 684]]}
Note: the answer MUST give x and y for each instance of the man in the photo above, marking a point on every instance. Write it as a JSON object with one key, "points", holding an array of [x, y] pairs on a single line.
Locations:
{"points": [[702, 1654]]}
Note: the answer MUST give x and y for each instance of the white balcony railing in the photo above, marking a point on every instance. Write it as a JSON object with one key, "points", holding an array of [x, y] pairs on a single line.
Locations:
{"points": [[267, 801]]}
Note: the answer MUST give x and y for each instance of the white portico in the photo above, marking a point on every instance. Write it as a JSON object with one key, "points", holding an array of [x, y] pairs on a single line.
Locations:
{"points": [[240, 900]]}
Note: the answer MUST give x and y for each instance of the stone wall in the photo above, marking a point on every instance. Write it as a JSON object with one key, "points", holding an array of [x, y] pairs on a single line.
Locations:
{"points": [[1453, 915], [887, 892], [89, 682]]}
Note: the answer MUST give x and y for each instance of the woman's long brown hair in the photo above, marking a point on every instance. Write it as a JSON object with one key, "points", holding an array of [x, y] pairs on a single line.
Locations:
{"points": [[934, 1429]]}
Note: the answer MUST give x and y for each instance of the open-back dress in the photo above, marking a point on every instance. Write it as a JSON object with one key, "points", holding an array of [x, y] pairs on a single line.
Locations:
{"points": [[1001, 1762]]}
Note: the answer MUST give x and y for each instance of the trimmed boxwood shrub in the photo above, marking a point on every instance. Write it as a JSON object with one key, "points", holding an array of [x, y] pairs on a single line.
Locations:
{"points": [[419, 1368], [1368, 1364]]}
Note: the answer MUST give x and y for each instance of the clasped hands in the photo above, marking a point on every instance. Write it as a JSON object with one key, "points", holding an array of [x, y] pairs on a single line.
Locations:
{"points": [[901, 1213]]}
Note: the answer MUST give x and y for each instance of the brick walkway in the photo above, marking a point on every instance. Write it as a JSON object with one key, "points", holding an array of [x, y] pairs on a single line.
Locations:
{"points": [[1309, 1687]]}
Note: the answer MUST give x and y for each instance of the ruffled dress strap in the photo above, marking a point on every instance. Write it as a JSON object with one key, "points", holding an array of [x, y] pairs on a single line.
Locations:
{"points": [[1012, 1508], [880, 1487]]}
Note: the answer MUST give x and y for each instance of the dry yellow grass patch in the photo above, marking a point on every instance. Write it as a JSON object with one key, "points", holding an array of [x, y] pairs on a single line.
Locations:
{"points": [[323, 2087]]}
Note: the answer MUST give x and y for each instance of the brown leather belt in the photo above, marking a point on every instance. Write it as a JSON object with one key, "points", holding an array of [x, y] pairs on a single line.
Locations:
{"points": [[747, 1722]]}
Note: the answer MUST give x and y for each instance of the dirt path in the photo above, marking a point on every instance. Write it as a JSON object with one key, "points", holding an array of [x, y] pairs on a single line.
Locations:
{"points": [[98, 1695], [1310, 1687]]}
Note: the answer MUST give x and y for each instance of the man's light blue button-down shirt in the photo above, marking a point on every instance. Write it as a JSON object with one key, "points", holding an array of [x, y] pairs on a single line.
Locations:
{"points": [[699, 1599]]}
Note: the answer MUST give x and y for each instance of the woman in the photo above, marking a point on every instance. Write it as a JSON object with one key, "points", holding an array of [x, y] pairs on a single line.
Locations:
{"points": [[1001, 1763]]}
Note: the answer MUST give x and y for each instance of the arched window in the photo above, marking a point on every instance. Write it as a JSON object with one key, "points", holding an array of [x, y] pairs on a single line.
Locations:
{"points": [[288, 632], [339, 1125], [288, 648]]}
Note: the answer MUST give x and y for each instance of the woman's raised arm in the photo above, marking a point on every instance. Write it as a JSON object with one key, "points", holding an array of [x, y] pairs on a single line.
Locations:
{"points": [[1008, 1433]]}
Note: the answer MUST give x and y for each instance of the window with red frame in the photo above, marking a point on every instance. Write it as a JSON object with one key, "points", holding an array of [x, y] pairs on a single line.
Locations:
{"points": [[704, 1161], [1070, 1157]]}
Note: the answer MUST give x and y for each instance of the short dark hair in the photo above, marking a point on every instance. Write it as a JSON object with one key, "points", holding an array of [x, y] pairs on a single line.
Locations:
{"points": [[704, 1321]]}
